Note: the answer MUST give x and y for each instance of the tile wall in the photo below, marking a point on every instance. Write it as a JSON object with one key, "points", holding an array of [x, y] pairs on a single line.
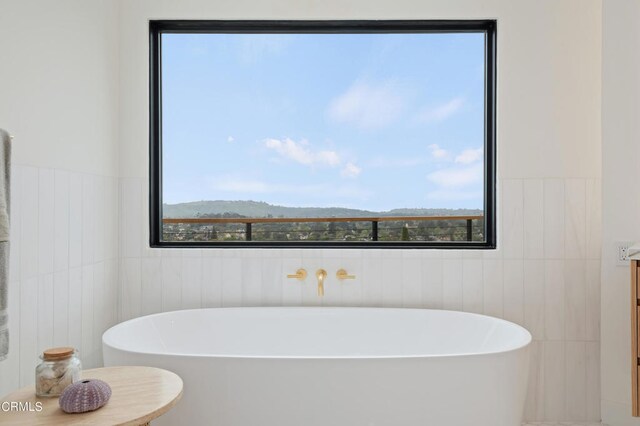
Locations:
{"points": [[63, 267], [545, 276], [68, 281]]}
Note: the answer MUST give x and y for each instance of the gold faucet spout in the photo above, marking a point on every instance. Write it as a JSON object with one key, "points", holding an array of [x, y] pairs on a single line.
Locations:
{"points": [[321, 274]]}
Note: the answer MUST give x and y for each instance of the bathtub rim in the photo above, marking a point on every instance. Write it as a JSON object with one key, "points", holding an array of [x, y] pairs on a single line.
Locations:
{"points": [[527, 336]]}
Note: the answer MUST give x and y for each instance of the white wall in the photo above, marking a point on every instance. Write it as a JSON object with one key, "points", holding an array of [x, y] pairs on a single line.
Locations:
{"points": [[545, 274], [59, 98], [73, 90], [621, 206]]}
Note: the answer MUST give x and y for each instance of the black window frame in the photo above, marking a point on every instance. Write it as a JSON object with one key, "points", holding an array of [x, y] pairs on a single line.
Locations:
{"points": [[159, 27]]}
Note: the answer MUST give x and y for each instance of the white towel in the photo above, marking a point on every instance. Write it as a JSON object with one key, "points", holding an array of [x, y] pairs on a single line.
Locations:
{"points": [[5, 186]]}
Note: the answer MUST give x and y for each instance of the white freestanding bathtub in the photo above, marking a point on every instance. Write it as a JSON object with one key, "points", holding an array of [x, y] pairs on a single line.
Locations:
{"points": [[332, 366]]}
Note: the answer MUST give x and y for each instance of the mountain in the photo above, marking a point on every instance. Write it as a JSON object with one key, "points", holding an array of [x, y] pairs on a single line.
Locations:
{"points": [[262, 209]]}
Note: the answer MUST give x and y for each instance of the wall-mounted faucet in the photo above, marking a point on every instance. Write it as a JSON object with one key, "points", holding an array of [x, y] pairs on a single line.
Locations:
{"points": [[301, 274], [343, 275], [321, 274]]}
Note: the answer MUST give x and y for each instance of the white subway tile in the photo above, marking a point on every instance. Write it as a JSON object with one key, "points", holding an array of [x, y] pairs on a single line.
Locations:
{"points": [[432, 283], [61, 221], [99, 308], [513, 273], [211, 282], [89, 197], [112, 272], [112, 236], [533, 218], [575, 299], [75, 308], [61, 310], [15, 234], [554, 381], [172, 283], [151, 283], [10, 368], [512, 219], [575, 219], [75, 220], [46, 195], [412, 280], [391, 280], [272, 280], [371, 281], [232, 282], [592, 385], [99, 218], [493, 287], [534, 407], [29, 224], [131, 221], [576, 381], [593, 300], [534, 302], [554, 227], [28, 343], [87, 311], [452, 254], [452, 284], [472, 292], [45, 308], [593, 218], [191, 252], [131, 288], [554, 294], [191, 282], [251, 278]]}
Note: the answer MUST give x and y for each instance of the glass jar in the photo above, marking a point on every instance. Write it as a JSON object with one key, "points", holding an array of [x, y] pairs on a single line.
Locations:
{"points": [[59, 368]]}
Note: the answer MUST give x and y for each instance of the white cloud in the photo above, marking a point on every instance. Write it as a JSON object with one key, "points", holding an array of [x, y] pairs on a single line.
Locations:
{"points": [[300, 152], [231, 139], [368, 106], [454, 177], [441, 112], [437, 152], [350, 170], [469, 156]]}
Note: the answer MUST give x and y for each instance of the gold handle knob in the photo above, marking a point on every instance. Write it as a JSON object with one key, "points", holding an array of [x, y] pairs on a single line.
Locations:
{"points": [[300, 274], [343, 275], [321, 274]]}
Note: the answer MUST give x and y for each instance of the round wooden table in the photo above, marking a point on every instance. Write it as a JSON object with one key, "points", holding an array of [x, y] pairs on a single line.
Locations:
{"points": [[139, 395]]}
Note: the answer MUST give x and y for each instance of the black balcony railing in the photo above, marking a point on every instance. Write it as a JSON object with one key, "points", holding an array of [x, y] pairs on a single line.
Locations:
{"points": [[249, 222]]}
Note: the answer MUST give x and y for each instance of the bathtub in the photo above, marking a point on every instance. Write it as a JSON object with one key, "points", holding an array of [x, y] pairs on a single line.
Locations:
{"points": [[332, 366]]}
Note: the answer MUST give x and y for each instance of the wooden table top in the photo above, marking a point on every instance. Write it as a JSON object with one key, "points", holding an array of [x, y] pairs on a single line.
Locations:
{"points": [[139, 395]]}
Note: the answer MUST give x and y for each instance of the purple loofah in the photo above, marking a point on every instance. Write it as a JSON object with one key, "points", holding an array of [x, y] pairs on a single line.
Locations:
{"points": [[85, 395]]}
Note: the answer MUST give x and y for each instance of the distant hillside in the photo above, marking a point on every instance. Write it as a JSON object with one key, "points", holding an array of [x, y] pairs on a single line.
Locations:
{"points": [[262, 209]]}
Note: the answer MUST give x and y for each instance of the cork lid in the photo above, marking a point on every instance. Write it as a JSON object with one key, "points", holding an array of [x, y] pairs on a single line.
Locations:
{"points": [[55, 354]]}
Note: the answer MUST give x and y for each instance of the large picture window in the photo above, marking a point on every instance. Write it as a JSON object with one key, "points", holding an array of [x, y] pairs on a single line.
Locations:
{"points": [[322, 134]]}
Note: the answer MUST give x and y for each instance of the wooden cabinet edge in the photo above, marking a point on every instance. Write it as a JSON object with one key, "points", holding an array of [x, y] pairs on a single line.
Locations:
{"points": [[635, 407]]}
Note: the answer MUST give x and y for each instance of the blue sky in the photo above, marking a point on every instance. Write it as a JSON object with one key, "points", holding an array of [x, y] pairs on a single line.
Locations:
{"points": [[370, 121]]}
